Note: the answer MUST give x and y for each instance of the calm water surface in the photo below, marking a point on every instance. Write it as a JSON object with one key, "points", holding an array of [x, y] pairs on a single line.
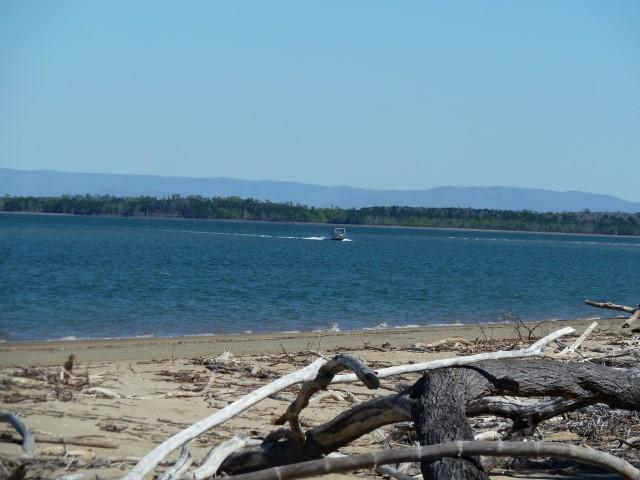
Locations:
{"points": [[113, 277]]}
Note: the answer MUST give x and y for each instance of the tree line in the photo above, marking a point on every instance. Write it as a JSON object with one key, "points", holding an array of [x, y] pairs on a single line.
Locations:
{"points": [[236, 208]]}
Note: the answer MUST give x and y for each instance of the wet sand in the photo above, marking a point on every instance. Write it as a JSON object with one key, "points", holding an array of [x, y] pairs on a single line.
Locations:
{"points": [[144, 349]]}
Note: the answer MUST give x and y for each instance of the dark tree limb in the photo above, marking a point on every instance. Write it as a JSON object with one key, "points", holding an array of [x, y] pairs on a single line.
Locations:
{"points": [[547, 377], [433, 453], [525, 416], [322, 380]]}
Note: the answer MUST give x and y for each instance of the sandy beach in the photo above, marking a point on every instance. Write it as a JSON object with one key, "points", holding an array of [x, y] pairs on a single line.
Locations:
{"points": [[55, 352], [162, 385]]}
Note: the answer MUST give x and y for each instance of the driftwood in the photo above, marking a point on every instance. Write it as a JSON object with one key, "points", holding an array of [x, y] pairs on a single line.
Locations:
{"points": [[322, 380], [432, 453], [441, 396], [217, 456], [82, 442], [182, 464], [572, 348], [28, 442], [634, 311], [151, 460], [585, 383]]}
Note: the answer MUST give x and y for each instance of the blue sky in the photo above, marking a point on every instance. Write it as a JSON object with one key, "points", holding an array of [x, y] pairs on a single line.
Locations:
{"points": [[372, 94]]}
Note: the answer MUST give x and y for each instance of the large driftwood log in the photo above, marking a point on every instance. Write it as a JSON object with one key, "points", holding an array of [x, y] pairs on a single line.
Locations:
{"points": [[453, 450], [580, 383], [440, 398]]}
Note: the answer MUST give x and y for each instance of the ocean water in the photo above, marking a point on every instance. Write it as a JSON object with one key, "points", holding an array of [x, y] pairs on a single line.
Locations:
{"points": [[94, 277]]}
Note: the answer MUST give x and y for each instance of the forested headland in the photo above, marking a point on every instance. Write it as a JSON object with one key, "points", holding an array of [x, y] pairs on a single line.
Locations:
{"points": [[235, 208]]}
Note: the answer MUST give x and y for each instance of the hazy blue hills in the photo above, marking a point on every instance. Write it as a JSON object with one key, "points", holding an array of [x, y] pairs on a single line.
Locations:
{"points": [[53, 183]]}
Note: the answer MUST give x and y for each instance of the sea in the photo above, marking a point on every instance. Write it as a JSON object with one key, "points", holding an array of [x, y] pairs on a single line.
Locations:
{"points": [[77, 277]]}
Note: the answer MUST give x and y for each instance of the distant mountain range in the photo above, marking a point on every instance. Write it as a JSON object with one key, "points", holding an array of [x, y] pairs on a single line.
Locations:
{"points": [[53, 183]]}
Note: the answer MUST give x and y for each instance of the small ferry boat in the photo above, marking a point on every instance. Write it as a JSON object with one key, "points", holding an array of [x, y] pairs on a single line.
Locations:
{"points": [[338, 233]]}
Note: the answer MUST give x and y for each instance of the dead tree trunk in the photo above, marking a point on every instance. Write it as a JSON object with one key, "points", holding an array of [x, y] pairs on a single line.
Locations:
{"points": [[439, 415]]}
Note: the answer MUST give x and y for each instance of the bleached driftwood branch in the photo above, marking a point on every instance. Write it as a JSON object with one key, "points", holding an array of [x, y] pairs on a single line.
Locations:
{"points": [[380, 469], [101, 391], [634, 311], [16, 422], [149, 461], [182, 464], [452, 449], [217, 456], [534, 350], [611, 306], [572, 348]]}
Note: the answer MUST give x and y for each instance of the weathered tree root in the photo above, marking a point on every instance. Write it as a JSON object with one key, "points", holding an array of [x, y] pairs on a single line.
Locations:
{"points": [[437, 452]]}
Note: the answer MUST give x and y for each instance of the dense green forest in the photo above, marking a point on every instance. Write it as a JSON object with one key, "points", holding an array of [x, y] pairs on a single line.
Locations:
{"points": [[252, 209]]}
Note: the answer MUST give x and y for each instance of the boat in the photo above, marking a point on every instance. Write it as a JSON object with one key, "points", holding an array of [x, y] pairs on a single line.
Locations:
{"points": [[338, 233]]}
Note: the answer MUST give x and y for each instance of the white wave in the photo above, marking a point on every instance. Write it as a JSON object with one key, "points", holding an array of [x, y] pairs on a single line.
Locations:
{"points": [[380, 326], [333, 327], [313, 238], [411, 325]]}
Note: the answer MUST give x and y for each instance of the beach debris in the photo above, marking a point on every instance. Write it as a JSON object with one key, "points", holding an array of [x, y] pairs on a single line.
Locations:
{"points": [[82, 442], [218, 454], [572, 348], [28, 440], [103, 392], [633, 311], [444, 344], [225, 357], [68, 365], [182, 464]]}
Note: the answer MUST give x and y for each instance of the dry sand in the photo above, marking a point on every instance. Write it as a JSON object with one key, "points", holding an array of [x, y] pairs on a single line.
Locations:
{"points": [[152, 374]]}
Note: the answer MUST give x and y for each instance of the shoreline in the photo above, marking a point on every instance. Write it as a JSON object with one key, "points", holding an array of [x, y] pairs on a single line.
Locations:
{"points": [[55, 352]]}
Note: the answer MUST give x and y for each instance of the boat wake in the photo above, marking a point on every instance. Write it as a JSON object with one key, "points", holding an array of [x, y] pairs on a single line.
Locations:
{"points": [[251, 235]]}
